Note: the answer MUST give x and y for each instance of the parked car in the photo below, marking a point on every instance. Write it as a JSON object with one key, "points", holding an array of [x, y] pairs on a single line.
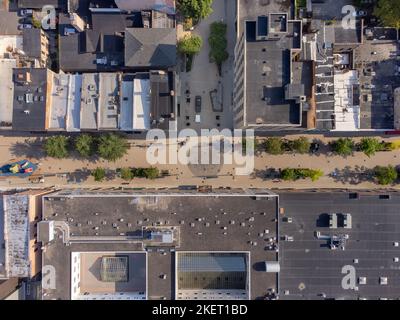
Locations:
{"points": [[25, 26], [197, 104], [361, 13], [25, 12]]}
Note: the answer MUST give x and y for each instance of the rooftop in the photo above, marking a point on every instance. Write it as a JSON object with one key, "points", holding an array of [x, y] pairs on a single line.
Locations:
{"points": [[32, 42], [109, 275], [268, 72], [14, 258], [30, 104], [150, 47], [100, 48], [309, 268], [115, 221]]}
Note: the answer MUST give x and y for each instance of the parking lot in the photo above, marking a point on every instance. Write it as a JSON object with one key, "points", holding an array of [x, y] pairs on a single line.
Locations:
{"points": [[311, 270], [378, 64]]}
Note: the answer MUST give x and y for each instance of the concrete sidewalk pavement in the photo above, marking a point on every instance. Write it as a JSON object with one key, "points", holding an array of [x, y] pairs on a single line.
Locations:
{"points": [[75, 172]]}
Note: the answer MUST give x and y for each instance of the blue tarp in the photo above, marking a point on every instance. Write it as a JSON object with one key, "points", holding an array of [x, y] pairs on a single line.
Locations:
{"points": [[5, 170]]}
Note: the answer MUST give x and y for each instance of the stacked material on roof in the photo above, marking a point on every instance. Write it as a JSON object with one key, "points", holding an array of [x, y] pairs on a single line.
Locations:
{"points": [[16, 235]]}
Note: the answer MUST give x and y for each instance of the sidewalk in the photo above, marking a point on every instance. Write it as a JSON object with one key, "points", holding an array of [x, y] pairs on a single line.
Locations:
{"points": [[75, 172]]}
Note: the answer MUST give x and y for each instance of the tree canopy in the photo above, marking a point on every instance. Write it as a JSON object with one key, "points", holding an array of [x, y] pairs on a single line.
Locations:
{"points": [[112, 147], [85, 145], [190, 45], [370, 146], [99, 174], [196, 9], [301, 145], [343, 146], [57, 147], [385, 175], [274, 145], [218, 43], [388, 11]]}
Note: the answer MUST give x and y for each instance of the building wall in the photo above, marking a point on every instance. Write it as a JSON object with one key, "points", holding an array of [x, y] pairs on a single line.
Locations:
{"points": [[75, 275]]}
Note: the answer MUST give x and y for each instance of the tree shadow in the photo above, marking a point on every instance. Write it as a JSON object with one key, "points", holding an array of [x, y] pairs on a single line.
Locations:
{"points": [[110, 175], [266, 174], [78, 176], [29, 149], [349, 175]]}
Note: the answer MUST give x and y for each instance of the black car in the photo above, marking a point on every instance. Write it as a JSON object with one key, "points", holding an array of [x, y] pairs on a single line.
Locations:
{"points": [[197, 104]]}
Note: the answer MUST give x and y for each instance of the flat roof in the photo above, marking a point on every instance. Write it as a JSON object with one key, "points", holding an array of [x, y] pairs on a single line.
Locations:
{"points": [[32, 42], [268, 80], [30, 99], [162, 101], [309, 268], [104, 273], [7, 89], [9, 23], [38, 4], [135, 103], [65, 102], [212, 270], [207, 222], [89, 101], [109, 100]]}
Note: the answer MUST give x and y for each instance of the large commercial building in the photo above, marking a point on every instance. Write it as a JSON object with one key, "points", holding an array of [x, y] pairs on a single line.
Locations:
{"points": [[270, 85], [156, 245]]}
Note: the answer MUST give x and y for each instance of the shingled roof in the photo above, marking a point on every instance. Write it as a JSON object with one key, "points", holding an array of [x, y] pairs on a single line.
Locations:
{"points": [[154, 47]]}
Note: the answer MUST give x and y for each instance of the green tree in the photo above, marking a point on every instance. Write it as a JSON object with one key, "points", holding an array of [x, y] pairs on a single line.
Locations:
{"points": [[288, 174], [57, 147], [343, 146], [274, 145], [292, 174], [388, 11], [301, 145], [112, 146], [195, 9], [36, 23], [99, 174], [148, 173], [218, 44], [370, 146], [385, 175], [85, 145], [152, 173], [314, 175], [190, 45], [126, 173]]}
